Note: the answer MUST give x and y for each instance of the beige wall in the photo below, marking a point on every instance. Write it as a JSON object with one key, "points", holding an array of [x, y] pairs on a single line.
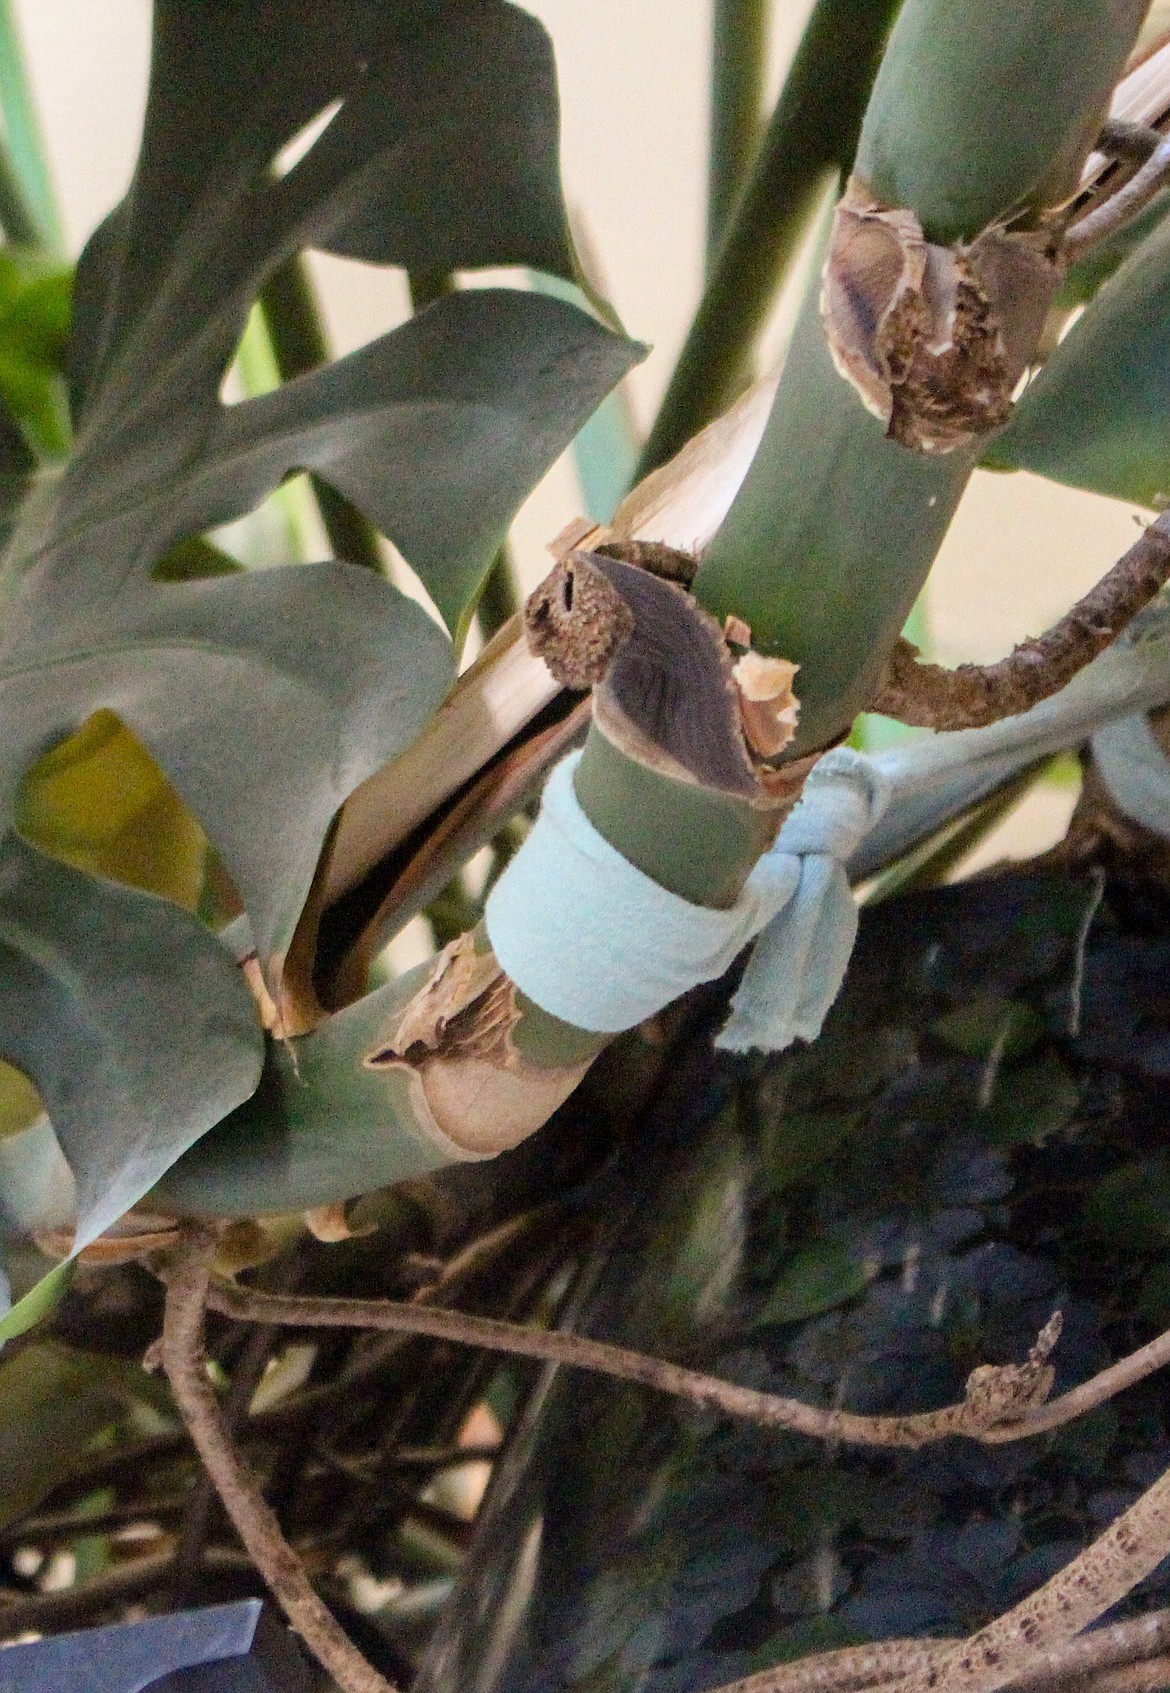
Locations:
{"points": [[634, 99]]}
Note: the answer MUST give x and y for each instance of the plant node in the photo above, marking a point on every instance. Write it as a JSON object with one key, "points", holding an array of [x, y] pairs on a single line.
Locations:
{"points": [[933, 338]]}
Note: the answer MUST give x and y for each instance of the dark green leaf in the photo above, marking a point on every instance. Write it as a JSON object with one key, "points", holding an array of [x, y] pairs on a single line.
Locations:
{"points": [[131, 1018], [437, 431], [442, 152], [1132, 1204], [55, 1402], [858, 1543], [1030, 1103], [265, 697], [990, 1026], [801, 1639], [798, 1141], [818, 1277]]}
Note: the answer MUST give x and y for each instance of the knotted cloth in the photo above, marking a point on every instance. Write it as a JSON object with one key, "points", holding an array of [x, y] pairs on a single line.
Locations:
{"points": [[592, 939]]}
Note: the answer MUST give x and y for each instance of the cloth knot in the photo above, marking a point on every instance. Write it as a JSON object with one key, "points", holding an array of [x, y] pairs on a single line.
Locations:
{"points": [[844, 795], [590, 938], [799, 960]]}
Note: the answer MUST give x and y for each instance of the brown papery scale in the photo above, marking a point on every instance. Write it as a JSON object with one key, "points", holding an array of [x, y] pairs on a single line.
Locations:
{"points": [[933, 338]]}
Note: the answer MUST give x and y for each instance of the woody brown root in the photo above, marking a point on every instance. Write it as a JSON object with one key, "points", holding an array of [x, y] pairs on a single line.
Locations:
{"points": [[998, 1395], [1021, 1640], [1124, 1658], [930, 696], [185, 1361], [1033, 1645]]}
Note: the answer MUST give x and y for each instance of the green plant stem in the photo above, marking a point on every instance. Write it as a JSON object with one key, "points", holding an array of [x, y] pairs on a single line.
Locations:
{"points": [[16, 216], [831, 536], [739, 43], [931, 862], [699, 844], [289, 307], [28, 204], [942, 137], [812, 132]]}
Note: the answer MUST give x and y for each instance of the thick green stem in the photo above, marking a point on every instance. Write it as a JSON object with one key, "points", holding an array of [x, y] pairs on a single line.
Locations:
{"points": [[293, 322], [326, 1123], [29, 210], [812, 132], [699, 844], [739, 45], [834, 530], [983, 112], [830, 538]]}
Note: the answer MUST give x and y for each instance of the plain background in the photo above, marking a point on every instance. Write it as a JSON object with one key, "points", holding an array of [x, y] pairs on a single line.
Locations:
{"points": [[634, 96]]}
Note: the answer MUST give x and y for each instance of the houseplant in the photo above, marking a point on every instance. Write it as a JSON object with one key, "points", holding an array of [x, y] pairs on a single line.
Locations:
{"points": [[212, 1075]]}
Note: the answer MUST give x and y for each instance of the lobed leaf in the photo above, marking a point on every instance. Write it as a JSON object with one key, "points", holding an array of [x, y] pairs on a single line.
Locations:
{"points": [[266, 697], [438, 431], [132, 1019], [442, 152], [423, 136]]}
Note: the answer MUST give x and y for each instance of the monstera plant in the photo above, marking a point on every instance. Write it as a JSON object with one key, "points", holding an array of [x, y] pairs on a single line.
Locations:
{"points": [[230, 779]]}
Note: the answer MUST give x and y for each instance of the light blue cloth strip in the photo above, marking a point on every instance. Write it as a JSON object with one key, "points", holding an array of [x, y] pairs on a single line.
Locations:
{"points": [[590, 938], [799, 961]]}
